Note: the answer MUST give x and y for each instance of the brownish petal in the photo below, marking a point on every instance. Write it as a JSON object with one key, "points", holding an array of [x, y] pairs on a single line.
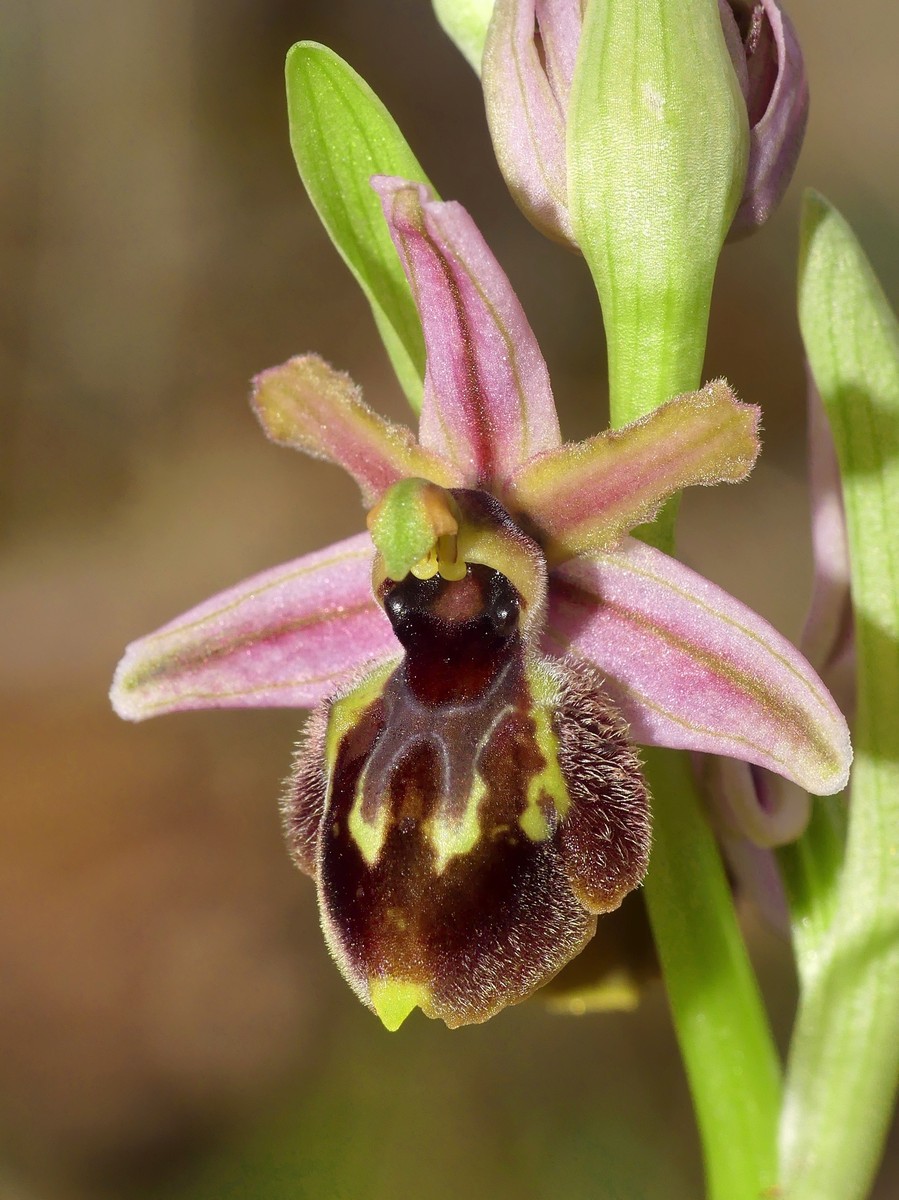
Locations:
{"points": [[605, 837]]}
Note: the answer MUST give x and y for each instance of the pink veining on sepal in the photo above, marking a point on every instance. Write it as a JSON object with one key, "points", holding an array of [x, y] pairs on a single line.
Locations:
{"points": [[691, 667], [288, 637], [488, 405], [586, 496], [527, 69], [307, 405]]}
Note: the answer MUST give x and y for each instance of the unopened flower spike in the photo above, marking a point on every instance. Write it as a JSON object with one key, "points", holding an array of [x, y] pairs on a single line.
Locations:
{"points": [[529, 60], [467, 795]]}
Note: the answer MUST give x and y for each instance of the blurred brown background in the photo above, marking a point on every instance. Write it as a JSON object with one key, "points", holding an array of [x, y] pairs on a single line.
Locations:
{"points": [[169, 1022]]}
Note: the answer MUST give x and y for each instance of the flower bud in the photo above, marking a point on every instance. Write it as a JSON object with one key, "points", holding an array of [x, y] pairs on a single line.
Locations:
{"points": [[768, 62], [528, 66], [657, 145], [527, 69]]}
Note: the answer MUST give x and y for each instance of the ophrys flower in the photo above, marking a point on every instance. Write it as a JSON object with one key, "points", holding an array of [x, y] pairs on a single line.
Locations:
{"points": [[467, 797]]}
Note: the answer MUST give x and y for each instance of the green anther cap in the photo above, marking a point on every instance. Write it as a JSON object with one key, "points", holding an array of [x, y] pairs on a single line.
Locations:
{"points": [[407, 523]]}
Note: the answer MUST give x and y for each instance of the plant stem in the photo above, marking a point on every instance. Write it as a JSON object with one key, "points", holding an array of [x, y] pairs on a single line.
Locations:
{"points": [[810, 868], [730, 1059]]}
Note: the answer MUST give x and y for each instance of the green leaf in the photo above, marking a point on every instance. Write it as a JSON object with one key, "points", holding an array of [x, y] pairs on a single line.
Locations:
{"points": [[465, 23], [341, 135], [844, 1061]]}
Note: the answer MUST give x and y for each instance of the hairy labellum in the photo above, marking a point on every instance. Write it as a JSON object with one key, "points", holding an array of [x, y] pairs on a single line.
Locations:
{"points": [[467, 812]]}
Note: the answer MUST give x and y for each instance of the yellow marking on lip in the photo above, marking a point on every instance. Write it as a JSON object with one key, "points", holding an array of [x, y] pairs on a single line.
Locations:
{"points": [[347, 711], [549, 783], [369, 836], [450, 839], [394, 999]]}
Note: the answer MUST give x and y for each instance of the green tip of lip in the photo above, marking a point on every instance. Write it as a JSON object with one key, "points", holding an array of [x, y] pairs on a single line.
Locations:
{"points": [[394, 999]]}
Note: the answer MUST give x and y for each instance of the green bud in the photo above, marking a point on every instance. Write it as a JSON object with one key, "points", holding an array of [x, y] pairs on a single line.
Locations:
{"points": [[657, 150]]}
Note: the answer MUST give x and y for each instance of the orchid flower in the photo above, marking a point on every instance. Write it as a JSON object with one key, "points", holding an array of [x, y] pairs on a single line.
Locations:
{"points": [[468, 797]]}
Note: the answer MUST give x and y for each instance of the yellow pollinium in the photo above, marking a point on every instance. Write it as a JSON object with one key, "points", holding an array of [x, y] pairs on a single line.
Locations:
{"points": [[442, 559], [415, 527], [394, 999]]}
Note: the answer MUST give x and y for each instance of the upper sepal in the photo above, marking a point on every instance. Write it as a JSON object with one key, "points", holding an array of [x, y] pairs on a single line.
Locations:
{"points": [[488, 404]]}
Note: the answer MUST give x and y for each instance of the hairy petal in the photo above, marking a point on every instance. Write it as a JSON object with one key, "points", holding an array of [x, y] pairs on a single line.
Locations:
{"points": [[527, 70], [587, 496], [487, 405], [285, 638], [306, 404], [692, 667]]}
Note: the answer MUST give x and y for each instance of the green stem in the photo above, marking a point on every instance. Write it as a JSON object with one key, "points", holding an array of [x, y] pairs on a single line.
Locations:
{"points": [[730, 1059], [810, 868], [729, 1054], [673, 341]]}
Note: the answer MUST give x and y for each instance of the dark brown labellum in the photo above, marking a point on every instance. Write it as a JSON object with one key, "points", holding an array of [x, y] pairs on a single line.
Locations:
{"points": [[469, 811]]}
